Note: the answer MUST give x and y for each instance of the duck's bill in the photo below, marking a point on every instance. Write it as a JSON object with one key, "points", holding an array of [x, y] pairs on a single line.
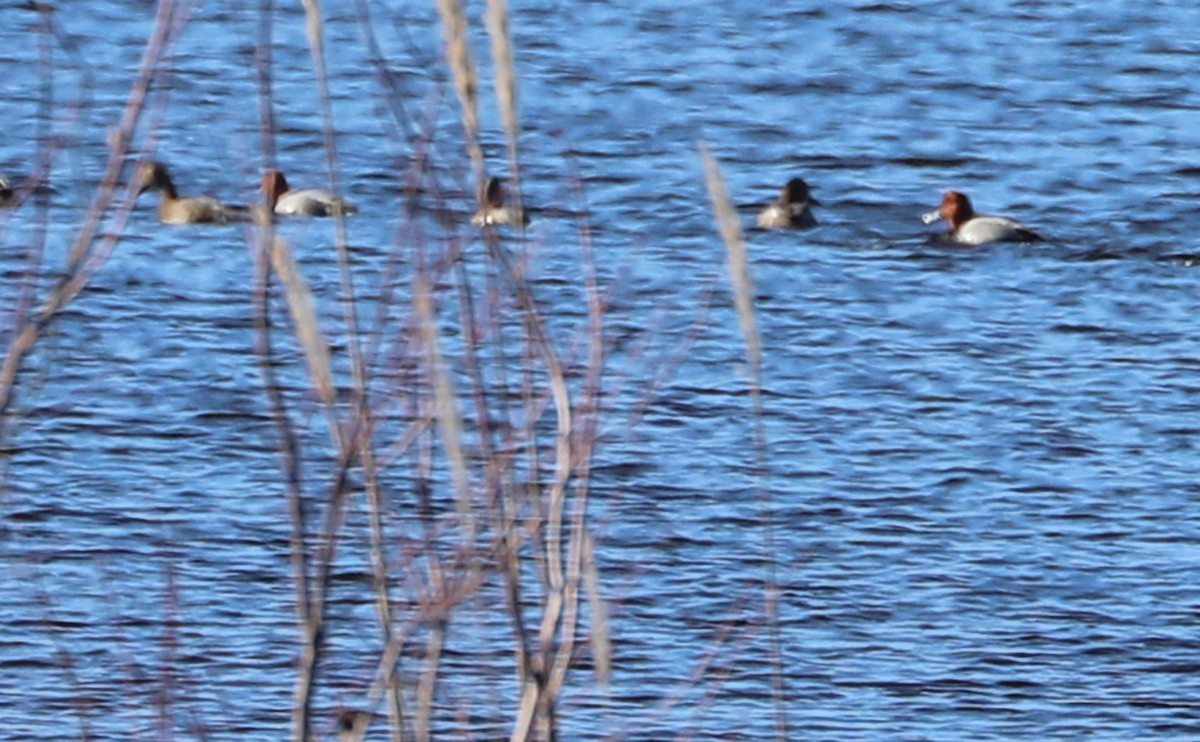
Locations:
{"points": [[931, 217]]}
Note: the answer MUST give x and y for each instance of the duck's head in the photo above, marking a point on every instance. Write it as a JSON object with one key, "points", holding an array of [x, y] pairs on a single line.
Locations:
{"points": [[494, 192], [956, 207], [797, 191], [150, 175], [274, 185]]}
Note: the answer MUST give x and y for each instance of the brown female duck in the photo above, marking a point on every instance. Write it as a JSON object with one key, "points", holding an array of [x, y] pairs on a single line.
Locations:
{"points": [[174, 209]]}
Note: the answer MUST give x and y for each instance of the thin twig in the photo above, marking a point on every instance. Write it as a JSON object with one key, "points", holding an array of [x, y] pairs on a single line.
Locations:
{"points": [[743, 297]]}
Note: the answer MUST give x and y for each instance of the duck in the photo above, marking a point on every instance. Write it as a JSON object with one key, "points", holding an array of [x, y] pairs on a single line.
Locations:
{"points": [[790, 209], [173, 209], [968, 228], [494, 211], [352, 724], [305, 202]]}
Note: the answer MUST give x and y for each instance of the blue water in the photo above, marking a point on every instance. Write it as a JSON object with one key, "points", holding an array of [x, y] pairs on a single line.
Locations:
{"points": [[981, 463]]}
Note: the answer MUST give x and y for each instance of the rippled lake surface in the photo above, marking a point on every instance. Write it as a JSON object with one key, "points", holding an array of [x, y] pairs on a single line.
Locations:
{"points": [[982, 462]]}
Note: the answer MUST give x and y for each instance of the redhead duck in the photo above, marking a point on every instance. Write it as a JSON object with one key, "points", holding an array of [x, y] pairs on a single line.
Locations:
{"points": [[790, 209], [175, 210], [494, 211], [304, 202], [967, 228]]}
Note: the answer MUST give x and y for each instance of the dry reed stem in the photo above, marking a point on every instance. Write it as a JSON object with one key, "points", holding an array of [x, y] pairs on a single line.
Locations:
{"points": [[447, 414], [506, 78], [466, 82], [264, 69], [312, 592], [276, 253], [386, 678], [739, 269], [289, 441], [509, 565], [323, 559], [584, 445], [598, 614], [499, 482], [314, 632], [354, 444], [289, 447], [552, 548], [267, 254], [541, 674], [383, 603], [409, 231], [498, 471], [506, 89], [308, 334], [46, 149], [432, 613], [379, 562], [85, 255], [526, 711], [388, 280], [479, 389], [584, 556], [300, 306], [743, 297], [314, 27], [428, 686], [562, 405], [31, 275], [434, 608]]}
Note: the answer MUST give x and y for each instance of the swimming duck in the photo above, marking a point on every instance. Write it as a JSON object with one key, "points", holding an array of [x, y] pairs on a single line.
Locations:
{"points": [[967, 228], [352, 724], [172, 209], [790, 209], [494, 211], [304, 202]]}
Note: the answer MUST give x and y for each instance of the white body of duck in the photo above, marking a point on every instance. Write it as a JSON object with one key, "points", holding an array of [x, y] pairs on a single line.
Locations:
{"points": [[967, 228], [304, 202], [791, 209]]}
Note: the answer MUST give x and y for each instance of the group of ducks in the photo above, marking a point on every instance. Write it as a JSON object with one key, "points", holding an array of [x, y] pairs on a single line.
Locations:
{"points": [[792, 209], [283, 201], [280, 198]]}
